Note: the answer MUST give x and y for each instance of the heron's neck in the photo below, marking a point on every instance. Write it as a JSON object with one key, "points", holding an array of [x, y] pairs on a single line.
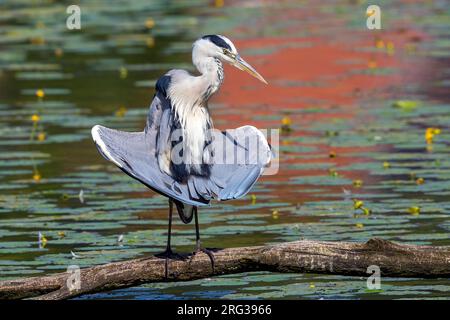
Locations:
{"points": [[189, 99], [211, 70]]}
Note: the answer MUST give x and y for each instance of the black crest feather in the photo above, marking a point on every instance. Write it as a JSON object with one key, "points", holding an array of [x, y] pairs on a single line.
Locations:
{"points": [[218, 41]]}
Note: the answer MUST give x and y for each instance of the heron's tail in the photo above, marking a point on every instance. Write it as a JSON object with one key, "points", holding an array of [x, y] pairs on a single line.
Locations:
{"points": [[185, 211]]}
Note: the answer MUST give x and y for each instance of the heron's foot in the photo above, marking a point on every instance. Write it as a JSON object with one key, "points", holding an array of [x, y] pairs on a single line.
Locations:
{"points": [[167, 255], [199, 248]]}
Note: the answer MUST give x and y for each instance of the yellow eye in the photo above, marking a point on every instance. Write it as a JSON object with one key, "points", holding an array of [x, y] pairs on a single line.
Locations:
{"points": [[229, 53]]}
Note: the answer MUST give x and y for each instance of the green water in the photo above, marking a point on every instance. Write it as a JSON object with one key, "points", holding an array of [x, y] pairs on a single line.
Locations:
{"points": [[105, 73]]}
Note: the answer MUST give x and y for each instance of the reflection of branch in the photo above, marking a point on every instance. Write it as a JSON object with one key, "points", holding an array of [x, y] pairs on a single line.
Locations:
{"points": [[344, 258]]}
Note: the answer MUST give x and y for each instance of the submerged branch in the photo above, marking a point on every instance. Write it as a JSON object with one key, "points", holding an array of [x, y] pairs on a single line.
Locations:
{"points": [[343, 258]]}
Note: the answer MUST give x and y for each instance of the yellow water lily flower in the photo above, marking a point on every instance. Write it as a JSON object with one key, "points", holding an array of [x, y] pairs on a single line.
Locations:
{"points": [[379, 44], [253, 198], [36, 176], [359, 225], [357, 203], [414, 210], [59, 52], [386, 165], [35, 118], [286, 121], [40, 93], [420, 181], [430, 133], [149, 23], [357, 183], [41, 136], [429, 136], [275, 214], [286, 124], [121, 112]]}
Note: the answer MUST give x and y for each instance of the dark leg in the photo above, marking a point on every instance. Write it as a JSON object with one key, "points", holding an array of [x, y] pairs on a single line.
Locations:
{"points": [[169, 232], [168, 252], [198, 246]]}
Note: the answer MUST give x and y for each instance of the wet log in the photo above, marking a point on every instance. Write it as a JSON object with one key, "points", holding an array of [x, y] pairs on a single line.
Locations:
{"points": [[341, 258]]}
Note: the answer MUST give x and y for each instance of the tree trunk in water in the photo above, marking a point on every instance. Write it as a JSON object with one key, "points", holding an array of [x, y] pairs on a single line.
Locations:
{"points": [[342, 258]]}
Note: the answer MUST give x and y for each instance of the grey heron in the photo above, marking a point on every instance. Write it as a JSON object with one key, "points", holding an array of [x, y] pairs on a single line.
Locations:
{"points": [[179, 125]]}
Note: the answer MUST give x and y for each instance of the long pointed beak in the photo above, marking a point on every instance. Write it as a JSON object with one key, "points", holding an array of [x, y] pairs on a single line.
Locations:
{"points": [[243, 65]]}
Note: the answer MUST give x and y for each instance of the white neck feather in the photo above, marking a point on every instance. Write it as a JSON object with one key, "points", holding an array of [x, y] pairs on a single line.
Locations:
{"points": [[189, 98]]}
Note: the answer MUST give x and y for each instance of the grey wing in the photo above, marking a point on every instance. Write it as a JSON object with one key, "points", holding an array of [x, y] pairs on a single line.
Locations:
{"points": [[135, 153], [239, 157]]}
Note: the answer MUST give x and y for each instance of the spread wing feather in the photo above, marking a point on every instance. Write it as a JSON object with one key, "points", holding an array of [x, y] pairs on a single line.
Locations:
{"points": [[136, 153]]}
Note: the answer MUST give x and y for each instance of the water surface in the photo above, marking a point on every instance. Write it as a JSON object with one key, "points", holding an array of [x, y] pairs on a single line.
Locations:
{"points": [[355, 106]]}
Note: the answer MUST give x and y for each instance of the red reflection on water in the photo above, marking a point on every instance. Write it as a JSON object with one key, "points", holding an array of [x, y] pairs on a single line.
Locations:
{"points": [[337, 74]]}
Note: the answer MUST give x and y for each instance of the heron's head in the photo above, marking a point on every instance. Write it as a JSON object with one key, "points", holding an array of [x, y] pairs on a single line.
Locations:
{"points": [[221, 47]]}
